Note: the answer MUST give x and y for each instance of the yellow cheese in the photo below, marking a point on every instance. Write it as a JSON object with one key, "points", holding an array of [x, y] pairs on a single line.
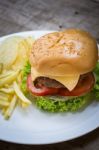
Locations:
{"points": [[69, 81]]}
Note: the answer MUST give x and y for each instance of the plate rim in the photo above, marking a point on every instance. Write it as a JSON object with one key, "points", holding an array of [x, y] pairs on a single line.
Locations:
{"points": [[93, 127]]}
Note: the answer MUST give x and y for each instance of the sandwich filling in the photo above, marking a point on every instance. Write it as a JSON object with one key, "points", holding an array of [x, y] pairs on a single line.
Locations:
{"points": [[42, 86], [69, 81], [54, 102]]}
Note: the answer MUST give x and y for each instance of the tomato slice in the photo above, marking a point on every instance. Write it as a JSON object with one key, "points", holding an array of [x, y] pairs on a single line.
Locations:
{"points": [[41, 91], [84, 85]]}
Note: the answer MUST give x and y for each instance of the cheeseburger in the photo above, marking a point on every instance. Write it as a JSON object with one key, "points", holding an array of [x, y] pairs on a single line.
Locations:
{"points": [[62, 64]]}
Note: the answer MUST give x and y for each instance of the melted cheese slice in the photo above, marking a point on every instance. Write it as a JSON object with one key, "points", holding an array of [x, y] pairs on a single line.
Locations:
{"points": [[69, 81]]}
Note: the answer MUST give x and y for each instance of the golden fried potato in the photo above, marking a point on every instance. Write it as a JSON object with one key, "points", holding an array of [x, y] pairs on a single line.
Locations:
{"points": [[1, 67], [24, 49], [9, 111], [5, 74], [7, 90], [20, 95], [9, 79], [4, 103], [14, 53], [29, 42], [21, 58]]}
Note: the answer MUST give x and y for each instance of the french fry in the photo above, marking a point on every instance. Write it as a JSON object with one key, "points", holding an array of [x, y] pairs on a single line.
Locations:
{"points": [[3, 98], [14, 52], [20, 94], [4, 103], [3, 110], [19, 78], [7, 90], [7, 86], [9, 79], [4, 95], [28, 42], [9, 111], [5, 74], [24, 48], [24, 105], [22, 56], [1, 67]]}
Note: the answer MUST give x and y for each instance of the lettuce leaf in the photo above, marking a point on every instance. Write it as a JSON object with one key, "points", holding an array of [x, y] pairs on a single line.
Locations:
{"points": [[96, 86], [25, 72], [71, 105]]}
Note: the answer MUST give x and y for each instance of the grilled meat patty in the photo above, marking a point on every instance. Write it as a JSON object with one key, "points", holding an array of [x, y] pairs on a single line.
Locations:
{"points": [[44, 81], [51, 83]]}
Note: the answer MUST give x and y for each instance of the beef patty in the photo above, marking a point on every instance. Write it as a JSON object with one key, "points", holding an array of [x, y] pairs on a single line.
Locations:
{"points": [[51, 83]]}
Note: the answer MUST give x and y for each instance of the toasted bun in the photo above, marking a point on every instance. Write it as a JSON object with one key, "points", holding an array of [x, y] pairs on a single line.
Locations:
{"points": [[72, 51]]}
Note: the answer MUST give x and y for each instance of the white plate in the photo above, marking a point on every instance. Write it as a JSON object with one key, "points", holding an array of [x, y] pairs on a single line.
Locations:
{"points": [[32, 126]]}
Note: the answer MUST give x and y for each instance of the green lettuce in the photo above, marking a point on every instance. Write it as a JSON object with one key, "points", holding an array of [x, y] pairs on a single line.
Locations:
{"points": [[70, 105], [96, 86], [25, 72]]}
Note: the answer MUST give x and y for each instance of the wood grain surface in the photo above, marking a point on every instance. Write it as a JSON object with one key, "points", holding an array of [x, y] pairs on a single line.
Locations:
{"points": [[26, 15]]}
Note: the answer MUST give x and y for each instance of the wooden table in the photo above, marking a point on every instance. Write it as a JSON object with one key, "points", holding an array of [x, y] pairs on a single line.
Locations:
{"points": [[25, 15]]}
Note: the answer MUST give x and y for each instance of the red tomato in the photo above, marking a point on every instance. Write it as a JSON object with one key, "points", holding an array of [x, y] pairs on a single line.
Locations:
{"points": [[41, 91]]}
